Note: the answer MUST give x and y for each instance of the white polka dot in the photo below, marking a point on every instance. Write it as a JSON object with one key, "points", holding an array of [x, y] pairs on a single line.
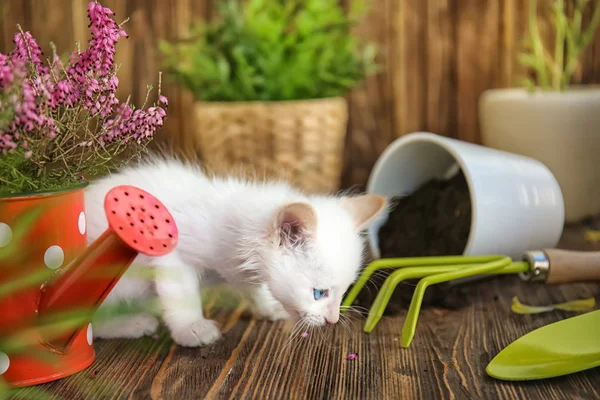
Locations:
{"points": [[5, 234], [90, 334], [54, 257], [4, 363], [81, 223]]}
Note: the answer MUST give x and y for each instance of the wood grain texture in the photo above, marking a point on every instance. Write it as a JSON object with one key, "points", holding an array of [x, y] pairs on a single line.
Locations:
{"points": [[437, 57], [371, 115], [256, 359], [478, 61], [441, 76]]}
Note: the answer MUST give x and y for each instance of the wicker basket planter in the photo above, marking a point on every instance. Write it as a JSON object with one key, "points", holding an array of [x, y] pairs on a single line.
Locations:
{"points": [[301, 141]]}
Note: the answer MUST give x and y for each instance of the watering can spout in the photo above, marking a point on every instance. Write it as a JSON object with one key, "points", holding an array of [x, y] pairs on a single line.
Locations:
{"points": [[138, 223]]}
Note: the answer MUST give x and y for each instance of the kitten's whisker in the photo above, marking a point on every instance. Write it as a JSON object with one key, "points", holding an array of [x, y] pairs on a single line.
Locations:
{"points": [[296, 331], [354, 321], [409, 284], [355, 308], [357, 312], [322, 336], [368, 289], [297, 326], [300, 328], [344, 322], [378, 279]]}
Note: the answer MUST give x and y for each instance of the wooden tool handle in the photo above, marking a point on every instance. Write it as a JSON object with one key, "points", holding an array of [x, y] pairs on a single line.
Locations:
{"points": [[572, 266]]}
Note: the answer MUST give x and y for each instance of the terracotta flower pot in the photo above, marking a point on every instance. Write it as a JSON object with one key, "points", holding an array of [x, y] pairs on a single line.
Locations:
{"points": [[302, 141], [559, 129], [39, 232]]}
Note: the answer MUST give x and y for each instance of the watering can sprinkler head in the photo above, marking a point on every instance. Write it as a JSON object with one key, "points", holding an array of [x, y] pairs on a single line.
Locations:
{"points": [[138, 223]]}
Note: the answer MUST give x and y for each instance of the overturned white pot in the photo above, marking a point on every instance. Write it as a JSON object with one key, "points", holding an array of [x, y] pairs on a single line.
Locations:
{"points": [[516, 203], [559, 129]]}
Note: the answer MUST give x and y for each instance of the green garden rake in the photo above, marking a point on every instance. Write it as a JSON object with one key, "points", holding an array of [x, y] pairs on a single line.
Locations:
{"points": [[547, 266]]}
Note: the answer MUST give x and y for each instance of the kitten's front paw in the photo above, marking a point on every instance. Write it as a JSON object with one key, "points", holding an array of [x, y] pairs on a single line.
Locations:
{"points": [[199, 333]]}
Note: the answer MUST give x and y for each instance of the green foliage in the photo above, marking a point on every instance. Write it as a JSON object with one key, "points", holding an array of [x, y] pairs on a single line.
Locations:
{"points": [[19, 175], [555, 71], [7, 114], [272, 50]]}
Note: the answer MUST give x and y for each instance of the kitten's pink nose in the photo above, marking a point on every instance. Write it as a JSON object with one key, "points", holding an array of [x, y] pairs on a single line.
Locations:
{"points": [[332, 320]]}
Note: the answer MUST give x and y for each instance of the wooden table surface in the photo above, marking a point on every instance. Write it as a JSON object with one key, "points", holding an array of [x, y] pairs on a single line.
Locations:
{"points": [[446, 360]]}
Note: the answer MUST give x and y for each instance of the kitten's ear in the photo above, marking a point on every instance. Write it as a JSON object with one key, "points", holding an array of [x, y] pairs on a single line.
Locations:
{"points": [[295, 223], [364, 209]]}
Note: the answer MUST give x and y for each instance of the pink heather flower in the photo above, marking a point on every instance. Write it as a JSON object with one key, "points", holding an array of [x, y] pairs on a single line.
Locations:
{"points": [[7, 142], [73, 57], [105, 34], [26, 110], [89, 83], [163, 100], [136, 126], [115, 126], [27, 49], [109, 100], [48, 127], [10, 71], [6, 71], [63, 93], [57, 65], [27, 118], [43, 85], [92, 69]]}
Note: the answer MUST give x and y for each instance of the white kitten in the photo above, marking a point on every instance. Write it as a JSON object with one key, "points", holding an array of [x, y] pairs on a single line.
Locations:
{"points": [[295, 254]]}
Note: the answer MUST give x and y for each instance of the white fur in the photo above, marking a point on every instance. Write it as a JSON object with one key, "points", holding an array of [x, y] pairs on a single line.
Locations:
{"points": [[225, 228]]}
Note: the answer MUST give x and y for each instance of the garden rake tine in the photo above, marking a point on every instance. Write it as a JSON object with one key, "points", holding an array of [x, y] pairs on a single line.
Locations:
{"points": [[391, 263], [463, 271], [392, 281], [386, 291]]}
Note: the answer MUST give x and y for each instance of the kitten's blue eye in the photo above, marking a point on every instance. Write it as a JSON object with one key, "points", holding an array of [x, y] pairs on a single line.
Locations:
{"points": [[320, 293]]}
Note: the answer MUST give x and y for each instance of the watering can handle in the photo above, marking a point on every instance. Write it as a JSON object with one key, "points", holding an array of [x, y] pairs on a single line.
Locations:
{"points": [[572, 266]]}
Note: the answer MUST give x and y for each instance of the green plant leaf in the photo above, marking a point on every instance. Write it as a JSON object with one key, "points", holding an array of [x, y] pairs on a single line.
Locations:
{"points": [[358, 8], [272, 50], [574, 305], [555, 71]]}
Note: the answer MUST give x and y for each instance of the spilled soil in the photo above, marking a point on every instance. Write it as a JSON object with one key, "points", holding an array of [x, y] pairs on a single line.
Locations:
{"points": [[434, 220]]}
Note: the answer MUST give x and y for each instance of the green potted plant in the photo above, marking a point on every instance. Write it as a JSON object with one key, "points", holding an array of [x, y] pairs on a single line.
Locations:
{"points": [[549, 119], [269, 78]]}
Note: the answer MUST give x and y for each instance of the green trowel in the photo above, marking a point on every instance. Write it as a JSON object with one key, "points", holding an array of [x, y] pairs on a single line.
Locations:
{"points": [[561, 348]]}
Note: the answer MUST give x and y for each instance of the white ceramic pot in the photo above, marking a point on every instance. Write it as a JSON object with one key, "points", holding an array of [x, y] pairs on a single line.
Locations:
{"points": [[560, 129], [516, 202]]}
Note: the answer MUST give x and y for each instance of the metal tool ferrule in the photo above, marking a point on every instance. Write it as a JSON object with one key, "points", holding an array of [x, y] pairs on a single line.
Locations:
{"points": [[539, 266]]}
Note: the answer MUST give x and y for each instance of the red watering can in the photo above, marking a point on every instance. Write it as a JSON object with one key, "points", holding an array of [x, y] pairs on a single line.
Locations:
{"points": [[80, 277]]}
